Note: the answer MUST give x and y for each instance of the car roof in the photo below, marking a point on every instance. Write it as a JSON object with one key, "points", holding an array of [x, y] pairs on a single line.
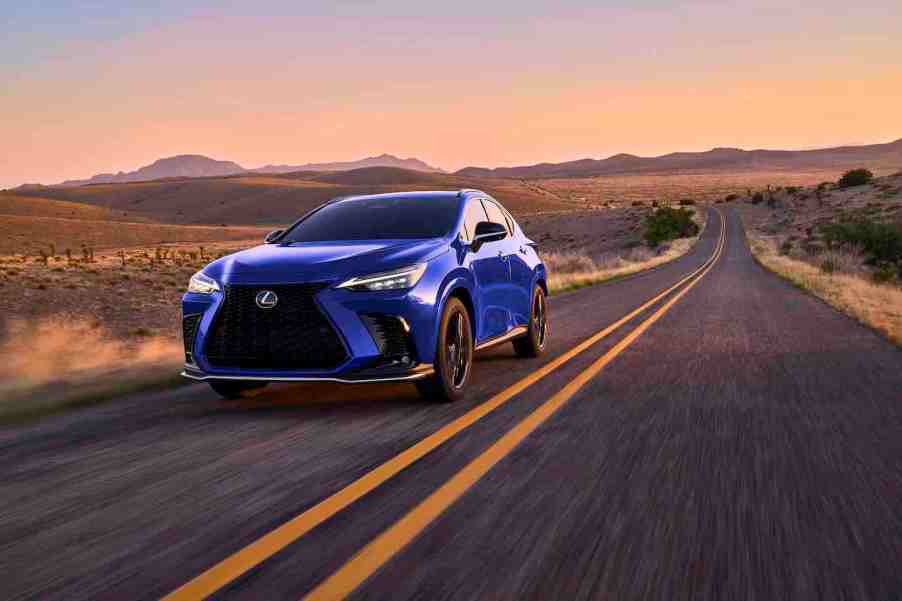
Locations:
{"points": [[424, 194]]}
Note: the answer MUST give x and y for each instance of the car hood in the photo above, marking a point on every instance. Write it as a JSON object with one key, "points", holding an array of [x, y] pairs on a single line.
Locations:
{"points": [[321, 261]]}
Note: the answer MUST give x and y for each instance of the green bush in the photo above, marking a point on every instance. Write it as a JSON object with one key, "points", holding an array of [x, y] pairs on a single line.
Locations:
{"points": [[786, 247], [881, 242], [828, 266], [855, 177], [686, 202], [885, 273], [667, 224]]}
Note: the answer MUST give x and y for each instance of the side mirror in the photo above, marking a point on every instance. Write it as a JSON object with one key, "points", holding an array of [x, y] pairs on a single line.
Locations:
{"points": [[273, 236], [488, 231]]}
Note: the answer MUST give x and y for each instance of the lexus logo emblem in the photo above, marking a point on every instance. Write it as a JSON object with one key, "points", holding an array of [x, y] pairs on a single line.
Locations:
{"points": [[267, 299]]}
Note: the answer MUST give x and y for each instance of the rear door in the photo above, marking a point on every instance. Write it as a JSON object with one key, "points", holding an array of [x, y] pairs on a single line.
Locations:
{"points": [[521, 262]]}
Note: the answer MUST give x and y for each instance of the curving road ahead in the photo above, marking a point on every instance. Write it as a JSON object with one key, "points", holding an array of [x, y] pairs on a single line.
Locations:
{"points": [[718, 436]]}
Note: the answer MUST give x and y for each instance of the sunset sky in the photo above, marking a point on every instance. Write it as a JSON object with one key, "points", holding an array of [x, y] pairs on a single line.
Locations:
{"points": [[101, 86]]}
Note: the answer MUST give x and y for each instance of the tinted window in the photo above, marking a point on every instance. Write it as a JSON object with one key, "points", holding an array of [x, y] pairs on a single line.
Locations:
{"points": [[495, 214], [474, 215], [510, 220], [378, 219]]}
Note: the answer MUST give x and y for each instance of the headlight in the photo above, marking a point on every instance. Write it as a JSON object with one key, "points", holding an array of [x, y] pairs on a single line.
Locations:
{"points": [[202, 284], [398, 279]]}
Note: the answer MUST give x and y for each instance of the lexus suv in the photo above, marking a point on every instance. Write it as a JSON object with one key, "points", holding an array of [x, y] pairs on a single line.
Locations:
{"points": [[384, 288]]}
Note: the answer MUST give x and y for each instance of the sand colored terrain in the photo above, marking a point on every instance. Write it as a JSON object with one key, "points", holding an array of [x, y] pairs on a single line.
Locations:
{"points": [[618, 191], [36, 206]]}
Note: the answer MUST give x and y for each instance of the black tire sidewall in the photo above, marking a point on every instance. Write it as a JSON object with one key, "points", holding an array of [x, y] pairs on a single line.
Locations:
{"points": [[528, 345], [443, 386]]}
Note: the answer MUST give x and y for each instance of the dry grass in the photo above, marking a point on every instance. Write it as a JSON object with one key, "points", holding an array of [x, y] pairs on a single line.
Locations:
{"points": [[878, 306], [53, 363], [572, 270], [25, 235], [132, 291]]}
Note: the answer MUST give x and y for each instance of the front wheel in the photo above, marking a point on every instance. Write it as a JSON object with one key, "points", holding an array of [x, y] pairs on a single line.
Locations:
{"points": [[453, 355], [234, 389], [533, 344]]}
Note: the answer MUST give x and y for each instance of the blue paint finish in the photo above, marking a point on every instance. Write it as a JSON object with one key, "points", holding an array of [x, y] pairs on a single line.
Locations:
{"points": [[497, 277]]}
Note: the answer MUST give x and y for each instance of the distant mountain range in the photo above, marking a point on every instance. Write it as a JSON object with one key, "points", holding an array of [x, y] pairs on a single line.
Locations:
{"points": [[716, 160], [721, 160], [196, 165], [383, 160], [182, 165]]}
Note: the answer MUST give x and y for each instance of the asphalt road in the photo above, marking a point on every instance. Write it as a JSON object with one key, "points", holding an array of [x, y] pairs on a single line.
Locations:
{"points": [[736, 439]]}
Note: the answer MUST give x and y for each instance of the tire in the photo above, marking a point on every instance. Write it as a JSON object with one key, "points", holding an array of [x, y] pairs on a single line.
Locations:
{"points": [[234, 389], [534, 343], [453, 356]]}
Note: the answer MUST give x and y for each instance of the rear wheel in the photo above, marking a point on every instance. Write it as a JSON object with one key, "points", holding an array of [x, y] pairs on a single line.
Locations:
{"points": [[534, 342], [234, 389], [453, 355]]}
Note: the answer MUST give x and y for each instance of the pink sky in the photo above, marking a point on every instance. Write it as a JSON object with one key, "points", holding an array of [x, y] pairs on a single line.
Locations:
{"points": [[453, 88]]}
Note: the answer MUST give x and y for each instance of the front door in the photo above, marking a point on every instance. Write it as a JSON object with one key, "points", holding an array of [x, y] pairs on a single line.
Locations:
{"points": [[492, 276]]}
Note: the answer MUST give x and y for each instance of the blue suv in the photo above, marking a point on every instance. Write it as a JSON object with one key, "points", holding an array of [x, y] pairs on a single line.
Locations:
{"points": [[381, 288]]}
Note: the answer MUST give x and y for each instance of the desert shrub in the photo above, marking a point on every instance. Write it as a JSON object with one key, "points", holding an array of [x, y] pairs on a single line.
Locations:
{"points": [[855, 177], [881, 242], [730, 197], [827, 266], [792, 190], [686, 202], [786, 247], [885, 273], [669, 224], [638, 203], [757, 198]]}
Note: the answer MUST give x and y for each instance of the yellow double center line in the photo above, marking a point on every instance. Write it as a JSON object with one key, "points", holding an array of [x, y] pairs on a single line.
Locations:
{"points": [[395, 538], [390, 542]]}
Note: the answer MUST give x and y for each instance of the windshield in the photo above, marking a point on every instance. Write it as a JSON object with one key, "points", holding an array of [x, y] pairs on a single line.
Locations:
{"points": [[378, 219]]}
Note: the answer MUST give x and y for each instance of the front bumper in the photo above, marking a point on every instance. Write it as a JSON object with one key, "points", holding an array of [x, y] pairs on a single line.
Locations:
{"points": [[350, 315], [412, 375]]}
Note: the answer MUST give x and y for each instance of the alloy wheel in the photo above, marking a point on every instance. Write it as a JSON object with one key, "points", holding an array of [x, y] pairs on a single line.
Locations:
{"points": [[457, 360]]}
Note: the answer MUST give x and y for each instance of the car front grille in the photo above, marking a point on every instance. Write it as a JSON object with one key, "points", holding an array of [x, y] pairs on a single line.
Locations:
{"points": [[390, 335], [294, 334]]}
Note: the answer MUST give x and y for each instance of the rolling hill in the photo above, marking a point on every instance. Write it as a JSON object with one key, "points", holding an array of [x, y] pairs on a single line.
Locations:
{"points": [[196, 165], [719, 160], [279, 198]]}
